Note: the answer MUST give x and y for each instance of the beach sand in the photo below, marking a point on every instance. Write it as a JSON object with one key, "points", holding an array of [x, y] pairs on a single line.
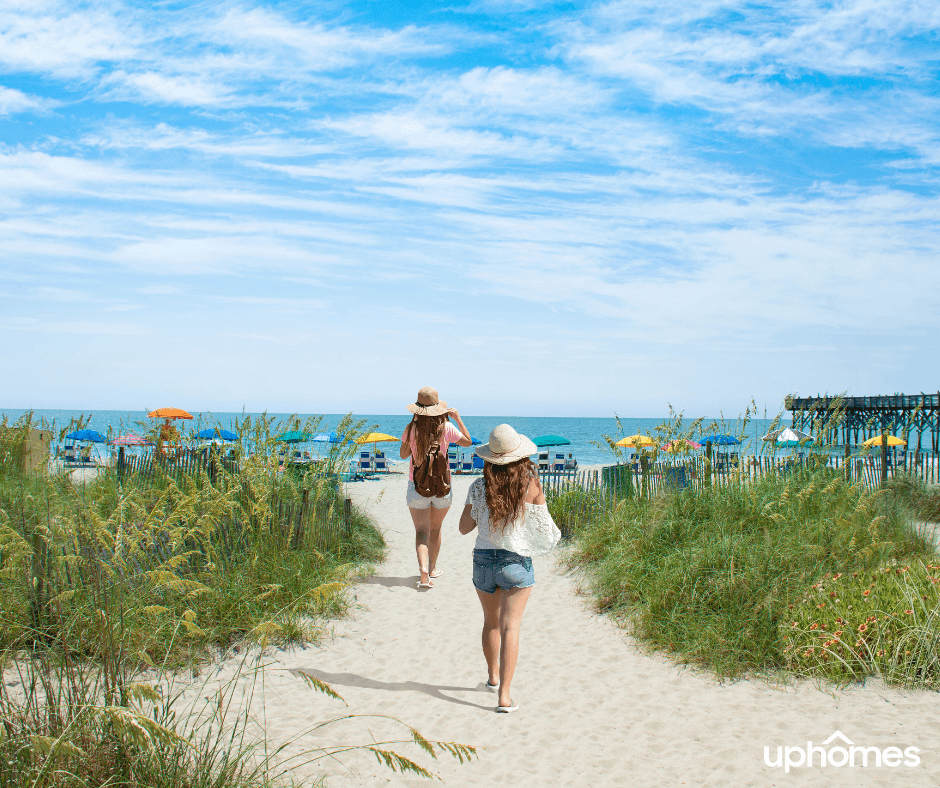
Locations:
{"points": [[595, 710]]}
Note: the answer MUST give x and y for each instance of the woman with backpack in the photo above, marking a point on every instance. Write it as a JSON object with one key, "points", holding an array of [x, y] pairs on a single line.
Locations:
{"points": [[425, 441], [507, 509]]}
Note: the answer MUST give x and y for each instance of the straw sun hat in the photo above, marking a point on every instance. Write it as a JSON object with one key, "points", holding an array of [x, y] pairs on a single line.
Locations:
{"points": [[428, 403], [506, 446]]}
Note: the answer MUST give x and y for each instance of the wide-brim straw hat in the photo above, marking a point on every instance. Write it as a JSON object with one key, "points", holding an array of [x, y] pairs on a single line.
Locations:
{"points": [[428, 403], [505, 446]]}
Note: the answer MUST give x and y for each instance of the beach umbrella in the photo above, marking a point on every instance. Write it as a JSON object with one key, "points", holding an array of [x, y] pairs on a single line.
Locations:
{"points": [[215, 432], [636, 442], [330, 437], [681, 444], [543, 441], [788, 437], [293, 436], [131, 440], [376, 437], [169, 413], [721, 440], [875, 442], [86, 435]]}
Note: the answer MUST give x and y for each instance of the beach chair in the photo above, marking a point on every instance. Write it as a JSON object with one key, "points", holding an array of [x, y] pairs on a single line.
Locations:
{"points": [[558, 463], [466, 464], [365, 462], [571, 464], [380, 463], [452, 458], [478, 464], [543, 461]]}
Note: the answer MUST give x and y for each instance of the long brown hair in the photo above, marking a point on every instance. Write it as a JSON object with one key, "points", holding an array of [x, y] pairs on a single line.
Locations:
{"points": [[427, 430], [505, 487]]}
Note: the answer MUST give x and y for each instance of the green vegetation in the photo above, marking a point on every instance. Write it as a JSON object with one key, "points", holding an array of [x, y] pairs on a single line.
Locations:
{"points": [[716, 575], [109, 588]]}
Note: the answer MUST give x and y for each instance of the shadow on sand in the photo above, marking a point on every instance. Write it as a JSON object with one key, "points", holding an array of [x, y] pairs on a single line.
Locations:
{"points": [[434, 690]]}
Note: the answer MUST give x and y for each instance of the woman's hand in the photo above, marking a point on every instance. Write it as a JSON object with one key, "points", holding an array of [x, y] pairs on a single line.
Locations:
{"points": [[465, 440]]}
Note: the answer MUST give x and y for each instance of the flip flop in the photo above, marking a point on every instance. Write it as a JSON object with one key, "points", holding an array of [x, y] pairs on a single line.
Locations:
{"points": [[492, 687], [508, 709], [425, 585], [437, 573]]}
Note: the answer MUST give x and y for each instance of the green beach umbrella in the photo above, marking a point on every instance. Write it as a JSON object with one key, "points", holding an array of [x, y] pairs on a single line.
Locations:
{"points": [[543, 441], [293, 436]]}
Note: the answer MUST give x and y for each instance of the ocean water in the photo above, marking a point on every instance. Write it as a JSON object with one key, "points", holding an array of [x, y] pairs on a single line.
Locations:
{"points": [[582, 432]]}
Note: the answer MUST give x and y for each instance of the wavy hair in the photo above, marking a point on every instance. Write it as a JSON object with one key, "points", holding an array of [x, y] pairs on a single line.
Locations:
{"points": [[505, 487], [427, 430]]}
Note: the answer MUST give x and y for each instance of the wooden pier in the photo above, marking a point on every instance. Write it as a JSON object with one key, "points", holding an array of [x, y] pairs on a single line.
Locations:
{"points": [[852, 420]]}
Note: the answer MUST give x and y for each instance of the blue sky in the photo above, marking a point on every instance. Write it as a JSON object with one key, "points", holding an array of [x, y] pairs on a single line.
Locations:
{"points": [[541, 209]]}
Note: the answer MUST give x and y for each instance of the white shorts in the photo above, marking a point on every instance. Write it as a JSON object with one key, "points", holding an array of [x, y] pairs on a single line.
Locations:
{"points": [[416, 501]]}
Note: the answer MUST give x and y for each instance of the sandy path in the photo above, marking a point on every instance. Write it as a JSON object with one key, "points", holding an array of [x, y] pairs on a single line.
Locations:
{"points": [[595, 711]]}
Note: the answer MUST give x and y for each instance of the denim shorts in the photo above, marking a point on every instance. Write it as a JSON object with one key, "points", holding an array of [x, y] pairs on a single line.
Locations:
{"points": [[417, 501], [494, 569]]}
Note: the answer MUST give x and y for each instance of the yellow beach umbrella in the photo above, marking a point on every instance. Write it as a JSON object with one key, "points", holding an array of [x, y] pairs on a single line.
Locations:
{"points": [[375, 437], [876, 441], [636, 441]]}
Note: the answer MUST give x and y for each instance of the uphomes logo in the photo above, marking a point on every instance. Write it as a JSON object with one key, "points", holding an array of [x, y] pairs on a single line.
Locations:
{"points": [[843, 753]]}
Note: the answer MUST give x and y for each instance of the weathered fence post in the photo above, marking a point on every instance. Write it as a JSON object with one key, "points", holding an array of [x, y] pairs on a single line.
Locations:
{"points": [[884, 457], [298, 534], [347, 517], [848, 466], [708, 462]]}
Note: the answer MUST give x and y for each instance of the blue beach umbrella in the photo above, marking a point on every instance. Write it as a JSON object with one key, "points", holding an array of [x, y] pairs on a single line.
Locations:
{"points": [[209, 434], [331, 437], [86, 435], [721, 440]]}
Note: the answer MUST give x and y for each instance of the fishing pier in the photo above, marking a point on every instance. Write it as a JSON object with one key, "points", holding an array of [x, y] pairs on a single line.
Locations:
{"points": [[851, 420]]}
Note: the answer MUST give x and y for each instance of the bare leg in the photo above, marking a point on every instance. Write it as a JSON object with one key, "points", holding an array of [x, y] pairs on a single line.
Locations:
{"points": [[422, 520], [434, 537], [511, 607], [490, 638]]}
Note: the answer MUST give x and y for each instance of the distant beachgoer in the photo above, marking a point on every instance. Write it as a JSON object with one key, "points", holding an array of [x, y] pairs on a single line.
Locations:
{"points": [[430, 425], [507, 507]]}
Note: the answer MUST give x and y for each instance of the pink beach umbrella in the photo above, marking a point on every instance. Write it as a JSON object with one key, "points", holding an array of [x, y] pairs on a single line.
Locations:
{"points": [[131, 440], [681, 445]]}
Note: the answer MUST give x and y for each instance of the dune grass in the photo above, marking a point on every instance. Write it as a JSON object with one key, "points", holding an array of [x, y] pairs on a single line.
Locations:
{"points": [[111, 589], [712, 574]]}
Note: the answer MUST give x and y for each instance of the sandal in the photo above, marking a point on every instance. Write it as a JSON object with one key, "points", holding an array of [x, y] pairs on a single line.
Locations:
{"points": [[437, 573], [508, 709]]}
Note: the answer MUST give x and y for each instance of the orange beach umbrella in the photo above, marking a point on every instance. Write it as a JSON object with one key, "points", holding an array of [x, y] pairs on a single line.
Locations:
{"points": [[169, 413]]}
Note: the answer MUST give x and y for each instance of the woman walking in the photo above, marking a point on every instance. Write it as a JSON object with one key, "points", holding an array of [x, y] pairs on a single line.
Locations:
{"points": [[507, 507], [429, 428]]}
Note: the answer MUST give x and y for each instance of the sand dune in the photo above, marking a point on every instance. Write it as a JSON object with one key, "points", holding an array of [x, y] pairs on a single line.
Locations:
{"points": [[595, 710]]}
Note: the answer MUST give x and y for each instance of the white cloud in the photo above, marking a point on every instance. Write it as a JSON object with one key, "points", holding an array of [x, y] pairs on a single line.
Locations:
{"points": [[13, 101]]}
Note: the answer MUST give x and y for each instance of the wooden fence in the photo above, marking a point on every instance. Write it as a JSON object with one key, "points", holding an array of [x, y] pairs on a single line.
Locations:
{"points": [[321, 520], [645, 479]]}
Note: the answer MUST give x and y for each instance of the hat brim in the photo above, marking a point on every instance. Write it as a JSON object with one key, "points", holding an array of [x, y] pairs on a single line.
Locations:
{"points": [[526, 448], [430, 410]]}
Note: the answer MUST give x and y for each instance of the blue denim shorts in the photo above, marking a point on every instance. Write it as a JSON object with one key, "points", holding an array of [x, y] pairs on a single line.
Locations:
{"points": [[494, 569]]}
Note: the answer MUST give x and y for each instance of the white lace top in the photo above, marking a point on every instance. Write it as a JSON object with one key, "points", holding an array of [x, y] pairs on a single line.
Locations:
{"points": [[511, 538]]}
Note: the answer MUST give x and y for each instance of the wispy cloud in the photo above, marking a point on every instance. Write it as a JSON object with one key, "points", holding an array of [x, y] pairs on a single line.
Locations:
{"points": [[593, 187]]}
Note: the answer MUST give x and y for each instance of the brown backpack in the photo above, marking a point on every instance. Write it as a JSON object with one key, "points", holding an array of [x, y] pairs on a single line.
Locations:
{"points": [[432, 474]]}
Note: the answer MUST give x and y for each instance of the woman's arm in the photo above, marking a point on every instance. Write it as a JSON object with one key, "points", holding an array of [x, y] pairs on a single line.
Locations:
{"points": [[465, 440], [404, 450], [534, 494], [467, 523]]}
